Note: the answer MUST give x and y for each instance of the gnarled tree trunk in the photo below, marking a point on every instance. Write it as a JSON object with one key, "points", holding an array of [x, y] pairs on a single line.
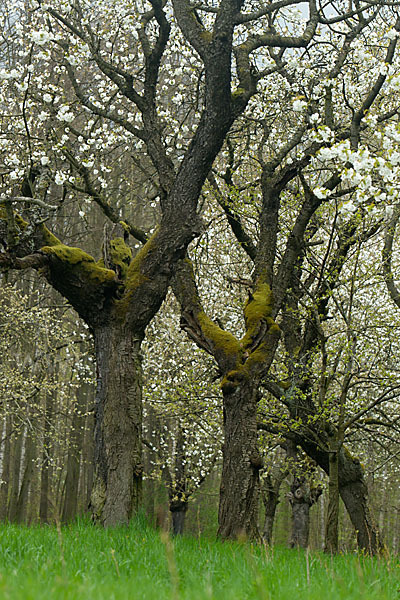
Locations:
{"points": [[116, 493], [239, 493]]}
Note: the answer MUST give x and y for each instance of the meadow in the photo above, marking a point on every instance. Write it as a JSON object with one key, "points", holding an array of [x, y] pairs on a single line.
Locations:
{"points": [[81, 561]]}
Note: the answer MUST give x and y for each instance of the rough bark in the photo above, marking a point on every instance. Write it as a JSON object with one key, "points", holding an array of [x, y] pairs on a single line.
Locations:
{"points": [[239, 492], [116, 493]]}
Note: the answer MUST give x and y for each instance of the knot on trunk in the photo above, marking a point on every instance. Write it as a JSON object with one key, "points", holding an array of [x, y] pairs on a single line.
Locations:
{"points": [[256, 460]]}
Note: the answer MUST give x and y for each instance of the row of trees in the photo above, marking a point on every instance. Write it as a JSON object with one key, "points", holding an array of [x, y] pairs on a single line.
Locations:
{"points": [[233, 123]]}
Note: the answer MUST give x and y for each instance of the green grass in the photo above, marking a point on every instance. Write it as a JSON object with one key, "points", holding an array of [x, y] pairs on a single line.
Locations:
{"points": [[85, 562]]}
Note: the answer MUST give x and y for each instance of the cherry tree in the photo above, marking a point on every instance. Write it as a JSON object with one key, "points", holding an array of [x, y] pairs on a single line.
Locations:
{"points": [[100, 73], [337, 123]]}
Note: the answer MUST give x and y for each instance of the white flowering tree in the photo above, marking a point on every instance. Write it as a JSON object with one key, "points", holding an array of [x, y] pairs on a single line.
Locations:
{"points": [[328, 153], [101, 74]]}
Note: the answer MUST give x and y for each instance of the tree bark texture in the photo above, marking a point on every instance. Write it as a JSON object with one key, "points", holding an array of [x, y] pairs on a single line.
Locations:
{"points": [[116, 493], [239, 492]]}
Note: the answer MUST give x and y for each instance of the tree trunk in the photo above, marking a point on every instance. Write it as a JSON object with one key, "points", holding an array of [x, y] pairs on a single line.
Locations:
{"points": [[22, 503], [355, 497], [300, 522], [5, 472], [239, 493], [178, 512], [270, 496], [16, 451], [46, 503], [116, 493], [70, 506]]}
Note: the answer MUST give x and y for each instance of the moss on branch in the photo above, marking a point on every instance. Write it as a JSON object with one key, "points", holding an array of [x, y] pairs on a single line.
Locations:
{"points": [[221, 340], [134, 276], [261, 334], [77, 260]]}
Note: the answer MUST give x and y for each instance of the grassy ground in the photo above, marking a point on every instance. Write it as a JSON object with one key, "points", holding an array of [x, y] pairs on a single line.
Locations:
{"points": [[85, 562]]}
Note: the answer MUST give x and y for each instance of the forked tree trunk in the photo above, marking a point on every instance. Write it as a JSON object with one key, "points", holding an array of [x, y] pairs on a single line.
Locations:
{"points": [[239, 493], [116, 493]]}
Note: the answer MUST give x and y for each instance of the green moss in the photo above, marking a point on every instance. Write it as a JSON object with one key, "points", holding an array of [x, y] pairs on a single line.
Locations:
{"points": [[232, 380], [206, 36], [49, 238], [125, 226], [121, 255], [222, 340], [259, 305], [81, 261], [22, 224], [238, 93], [135, 277], [257, 312], [258, 308]]}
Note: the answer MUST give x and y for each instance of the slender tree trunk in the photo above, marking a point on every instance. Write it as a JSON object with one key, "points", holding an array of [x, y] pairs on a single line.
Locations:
{"points": [[70, 506], [5, 472], [22, 503], [16, 451], [46, 471], [116, 493], [239, 493]]}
